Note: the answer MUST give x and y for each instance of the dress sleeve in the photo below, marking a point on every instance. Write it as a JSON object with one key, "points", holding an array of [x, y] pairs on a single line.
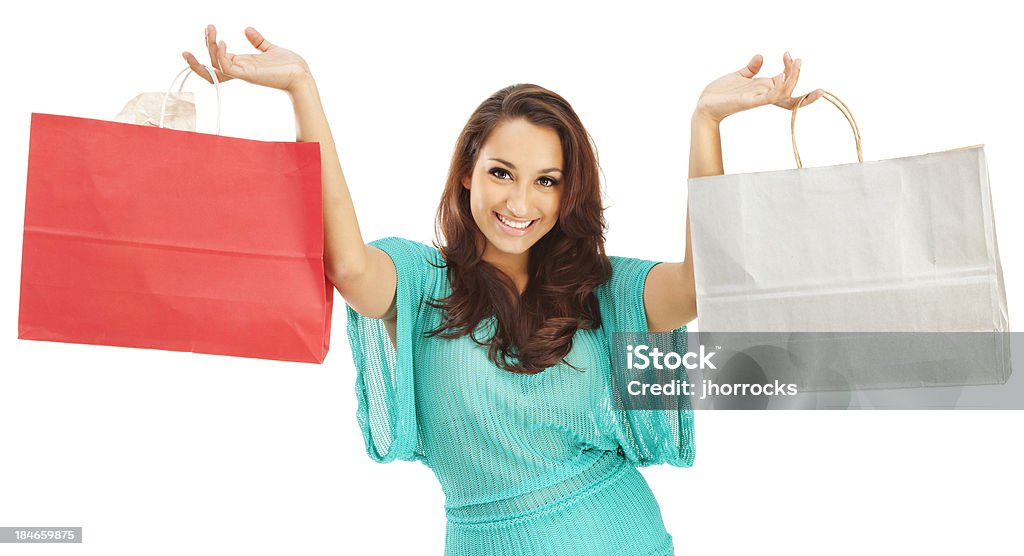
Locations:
{"points": [[645, 436], [384, 375]]}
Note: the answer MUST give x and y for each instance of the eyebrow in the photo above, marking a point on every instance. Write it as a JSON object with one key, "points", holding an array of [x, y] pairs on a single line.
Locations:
{"points": [[513, 166]]}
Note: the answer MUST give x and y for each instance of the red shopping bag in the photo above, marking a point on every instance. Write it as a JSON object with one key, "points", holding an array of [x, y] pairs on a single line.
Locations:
{"points": [[157, 238]]}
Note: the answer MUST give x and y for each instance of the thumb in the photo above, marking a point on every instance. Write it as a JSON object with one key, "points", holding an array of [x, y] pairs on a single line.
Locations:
{"points": [[257, 39], [753, 67]]}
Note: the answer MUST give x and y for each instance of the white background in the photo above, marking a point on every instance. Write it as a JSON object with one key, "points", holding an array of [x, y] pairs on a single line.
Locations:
{"points": [[157, 452]]}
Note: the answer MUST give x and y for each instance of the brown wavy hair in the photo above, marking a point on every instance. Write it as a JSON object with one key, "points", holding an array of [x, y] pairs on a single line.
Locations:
{"points": [[535, 330]]}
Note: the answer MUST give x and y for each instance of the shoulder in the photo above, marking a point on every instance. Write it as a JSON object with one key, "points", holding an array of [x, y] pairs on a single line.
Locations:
{"points": [[414, 261], [401, 247], [628, 274], [621, 298], [409, 251]]}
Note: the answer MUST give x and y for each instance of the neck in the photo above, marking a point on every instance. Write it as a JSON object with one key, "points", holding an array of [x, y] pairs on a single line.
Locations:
{"points": [[513, 265]]}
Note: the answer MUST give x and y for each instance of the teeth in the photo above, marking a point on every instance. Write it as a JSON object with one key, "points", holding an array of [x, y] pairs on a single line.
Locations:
{"points": [[514, 224]]}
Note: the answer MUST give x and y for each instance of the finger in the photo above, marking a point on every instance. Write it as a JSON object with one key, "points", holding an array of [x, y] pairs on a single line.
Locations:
{"points": [[196, 66], [211, 46], [223, 58], [211, 38], [794, 75], [783, 86], [753, 66], [787, 64], [778, 84], [257, 40], [815, 95], [227, 64], [792, 102]]}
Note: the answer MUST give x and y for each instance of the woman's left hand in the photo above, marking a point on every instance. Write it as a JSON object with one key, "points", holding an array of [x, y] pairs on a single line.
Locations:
{"points": [[739, 90]]}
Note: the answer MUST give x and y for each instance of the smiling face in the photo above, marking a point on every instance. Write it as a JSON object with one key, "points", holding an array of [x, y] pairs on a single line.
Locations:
{"points": [[515, 189]]}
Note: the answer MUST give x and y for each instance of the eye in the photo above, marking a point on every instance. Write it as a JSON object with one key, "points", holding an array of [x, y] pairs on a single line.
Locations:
{"points": [[500, 173], [550, 182]]}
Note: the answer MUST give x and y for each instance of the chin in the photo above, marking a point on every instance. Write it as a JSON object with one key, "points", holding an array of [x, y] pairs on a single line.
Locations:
{"points": [[512, 247]]}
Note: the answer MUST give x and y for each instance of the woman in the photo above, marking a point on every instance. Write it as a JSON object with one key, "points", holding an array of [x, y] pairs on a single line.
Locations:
{"points": [[488, 358]]}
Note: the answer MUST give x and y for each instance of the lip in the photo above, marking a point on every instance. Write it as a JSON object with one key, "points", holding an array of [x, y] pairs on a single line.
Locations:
{"points": [[514, 231]]}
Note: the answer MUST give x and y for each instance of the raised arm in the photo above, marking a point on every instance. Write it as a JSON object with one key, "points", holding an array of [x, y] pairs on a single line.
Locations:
{"points": [[670, 295], [364, 275]]}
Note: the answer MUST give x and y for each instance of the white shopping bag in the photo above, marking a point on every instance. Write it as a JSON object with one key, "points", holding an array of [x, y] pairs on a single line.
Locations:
{"points": [[900, 245]]}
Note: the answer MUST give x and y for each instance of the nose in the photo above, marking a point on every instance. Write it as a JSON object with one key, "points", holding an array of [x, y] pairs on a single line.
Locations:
{"points": [[517, 200]]}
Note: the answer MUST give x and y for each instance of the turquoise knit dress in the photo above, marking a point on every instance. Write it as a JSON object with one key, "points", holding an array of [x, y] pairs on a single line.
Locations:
{"points": [[540, 464]]}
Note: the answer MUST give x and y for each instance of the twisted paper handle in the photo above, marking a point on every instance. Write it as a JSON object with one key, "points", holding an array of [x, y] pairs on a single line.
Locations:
{"points": [[186, 72], [842, 108]]}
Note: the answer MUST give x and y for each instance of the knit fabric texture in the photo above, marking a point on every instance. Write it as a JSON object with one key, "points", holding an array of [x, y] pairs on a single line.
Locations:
{"points": [[529, 464]]}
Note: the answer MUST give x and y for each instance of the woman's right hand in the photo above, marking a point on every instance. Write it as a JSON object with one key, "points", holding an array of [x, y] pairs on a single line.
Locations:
{"points": [[273, 67], [740, 90]]}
